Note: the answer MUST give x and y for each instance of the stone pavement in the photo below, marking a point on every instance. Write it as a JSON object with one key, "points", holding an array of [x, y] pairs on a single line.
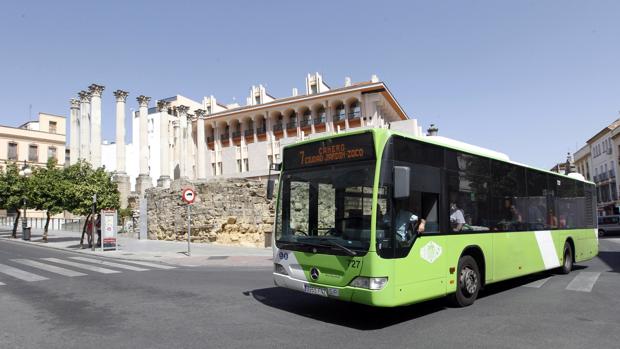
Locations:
{"points": [[172, 252]]}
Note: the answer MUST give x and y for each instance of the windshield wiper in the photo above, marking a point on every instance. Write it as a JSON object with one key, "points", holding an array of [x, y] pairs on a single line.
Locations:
{"points": [[333, 243], [330, 244]]}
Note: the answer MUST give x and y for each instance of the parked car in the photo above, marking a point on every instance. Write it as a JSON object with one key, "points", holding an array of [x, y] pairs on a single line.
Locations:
{"points": [[608, 225]]}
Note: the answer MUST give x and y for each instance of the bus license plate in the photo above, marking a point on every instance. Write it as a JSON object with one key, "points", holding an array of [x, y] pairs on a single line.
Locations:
{"points": [[315, 290]]}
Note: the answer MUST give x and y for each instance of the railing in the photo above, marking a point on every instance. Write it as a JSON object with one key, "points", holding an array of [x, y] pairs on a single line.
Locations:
{"points": [[603, 176], [354, 114], [262, 130], [612, 174], [304, 123], [39, 223], [277, 127], [248, 133], [224, 137], [319, 120], [595, 178], [236, 134], [210, 139], [290, 125], [339, 117]]}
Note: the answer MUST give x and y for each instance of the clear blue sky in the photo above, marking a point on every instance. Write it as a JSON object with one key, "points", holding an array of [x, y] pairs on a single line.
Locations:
{"points": [[533, 79]]}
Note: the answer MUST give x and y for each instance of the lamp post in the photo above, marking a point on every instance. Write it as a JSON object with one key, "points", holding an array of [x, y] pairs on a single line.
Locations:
{"points": [[25, 172]]}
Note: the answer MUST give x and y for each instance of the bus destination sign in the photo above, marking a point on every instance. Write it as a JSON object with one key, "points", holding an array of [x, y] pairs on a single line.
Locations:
{"points": [[330, 151]]}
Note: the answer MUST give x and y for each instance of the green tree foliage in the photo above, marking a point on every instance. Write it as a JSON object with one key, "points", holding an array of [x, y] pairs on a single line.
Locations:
{"points": [[47, 191], [13, 191], [83, 183]]}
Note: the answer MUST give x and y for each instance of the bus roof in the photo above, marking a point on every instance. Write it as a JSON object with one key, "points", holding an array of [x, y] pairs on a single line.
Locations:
{"points": [[442, 142]]}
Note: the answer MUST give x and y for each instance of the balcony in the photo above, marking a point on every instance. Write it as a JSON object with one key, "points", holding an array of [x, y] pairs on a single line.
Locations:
{"points": [[291, 125], [236, 134], [278, 127], [340, 116], [612, 174], [355, 115], [319, 120], [261, 130], [210, 139], [305, 123]]}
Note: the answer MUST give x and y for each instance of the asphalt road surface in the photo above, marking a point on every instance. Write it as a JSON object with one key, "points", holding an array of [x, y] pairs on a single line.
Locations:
{"points": [[51, 299]]}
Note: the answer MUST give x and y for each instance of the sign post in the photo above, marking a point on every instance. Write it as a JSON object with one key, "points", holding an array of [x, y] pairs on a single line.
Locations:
{"points": [[108, 230], [189, 196]]}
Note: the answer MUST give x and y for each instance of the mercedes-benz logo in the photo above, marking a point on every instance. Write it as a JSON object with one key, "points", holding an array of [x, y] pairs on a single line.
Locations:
{"points": [[314, 273]]}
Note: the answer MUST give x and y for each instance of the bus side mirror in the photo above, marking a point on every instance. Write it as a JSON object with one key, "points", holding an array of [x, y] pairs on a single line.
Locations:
{"points": [[270, 185], [402, 176]]}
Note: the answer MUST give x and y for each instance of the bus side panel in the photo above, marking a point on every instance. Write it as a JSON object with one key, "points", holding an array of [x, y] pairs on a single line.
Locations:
{"points": [[520, 253], [457, 244], [585, 241], [421, 274]]}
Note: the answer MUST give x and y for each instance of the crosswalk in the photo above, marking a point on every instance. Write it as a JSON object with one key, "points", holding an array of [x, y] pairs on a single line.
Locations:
{"points": [[583, 281], [40, 269]]}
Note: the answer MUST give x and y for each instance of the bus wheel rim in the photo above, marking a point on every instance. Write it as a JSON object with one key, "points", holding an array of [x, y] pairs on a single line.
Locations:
{"points": [[469, 280]]}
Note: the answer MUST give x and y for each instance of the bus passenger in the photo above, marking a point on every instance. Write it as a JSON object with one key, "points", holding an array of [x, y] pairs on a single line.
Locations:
{"points": [[406, 222], [457, 219]]}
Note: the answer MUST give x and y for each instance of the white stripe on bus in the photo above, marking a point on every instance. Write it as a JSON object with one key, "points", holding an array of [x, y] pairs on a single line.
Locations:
{"points": [[20, 274], [547, 249], [109, 264], [47, 267], [584, 281], [82, 266]]}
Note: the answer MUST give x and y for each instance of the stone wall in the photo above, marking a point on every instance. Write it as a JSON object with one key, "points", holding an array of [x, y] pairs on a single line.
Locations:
{"points": [[226, 211]]}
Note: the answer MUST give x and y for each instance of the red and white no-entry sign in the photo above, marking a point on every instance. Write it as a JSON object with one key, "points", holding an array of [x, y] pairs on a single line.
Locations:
{"points": [[188, 196]]}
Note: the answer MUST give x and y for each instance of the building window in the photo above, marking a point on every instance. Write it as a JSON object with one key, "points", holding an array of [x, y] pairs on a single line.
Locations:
{"points": [[209, 109], [52, 126], [246, 165], [257, 99], [270, 160], [214, 169], [219, 168], [313, 89], [33, 153], [51, 153], [239, 169], [12, 151]]}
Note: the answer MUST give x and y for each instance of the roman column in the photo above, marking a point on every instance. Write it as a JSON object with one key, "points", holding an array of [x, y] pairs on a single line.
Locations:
{"points": [[74, 132], [176, 134], [143, 181], [164, 144], [84, 125], [182, 110], [191, 149], [201, 144], [120, 177], [95, 124]]}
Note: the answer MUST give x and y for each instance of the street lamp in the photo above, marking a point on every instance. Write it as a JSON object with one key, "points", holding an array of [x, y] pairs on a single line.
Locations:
{"points": [[25, 172]]}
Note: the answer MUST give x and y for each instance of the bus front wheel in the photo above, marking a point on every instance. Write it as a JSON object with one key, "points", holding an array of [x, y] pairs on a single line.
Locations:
{"points": [[567, 262], [468, 282]]}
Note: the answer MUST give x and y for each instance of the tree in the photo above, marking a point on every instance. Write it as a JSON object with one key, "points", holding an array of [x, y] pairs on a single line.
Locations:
{"points": [[47, 191], [14, 189], [82, 184]]}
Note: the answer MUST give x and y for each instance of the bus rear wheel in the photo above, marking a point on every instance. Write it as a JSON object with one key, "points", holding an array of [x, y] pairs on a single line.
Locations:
{"points": [[468, 282], [567, 262]]}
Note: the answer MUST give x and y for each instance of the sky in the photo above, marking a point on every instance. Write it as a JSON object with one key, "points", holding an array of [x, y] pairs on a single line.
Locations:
{"points": [[532, 79]]}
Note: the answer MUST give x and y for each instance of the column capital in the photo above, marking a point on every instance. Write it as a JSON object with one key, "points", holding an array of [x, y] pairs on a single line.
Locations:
{"points": [[143, 100], [96, 90], [200, 113], [75, 104], [163, 106], [182, 109], [121, 96], [84, 96]]}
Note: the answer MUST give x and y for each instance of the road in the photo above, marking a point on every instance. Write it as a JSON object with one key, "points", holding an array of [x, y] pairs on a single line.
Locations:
{"points": [[55, 303]]}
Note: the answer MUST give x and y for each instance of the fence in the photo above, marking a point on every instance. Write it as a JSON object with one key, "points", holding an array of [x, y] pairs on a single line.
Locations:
{"points": [[39, 223]]}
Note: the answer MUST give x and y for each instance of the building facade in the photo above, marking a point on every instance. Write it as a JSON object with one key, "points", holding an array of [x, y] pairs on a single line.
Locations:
{"points": [[598, 161], [34, 142]]}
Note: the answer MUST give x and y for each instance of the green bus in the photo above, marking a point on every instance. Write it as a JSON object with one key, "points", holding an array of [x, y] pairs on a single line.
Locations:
{"points": [[387, 219]]}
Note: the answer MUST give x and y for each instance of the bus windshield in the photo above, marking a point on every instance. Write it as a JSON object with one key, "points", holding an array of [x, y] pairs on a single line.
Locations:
{"points": [[326, 209]]}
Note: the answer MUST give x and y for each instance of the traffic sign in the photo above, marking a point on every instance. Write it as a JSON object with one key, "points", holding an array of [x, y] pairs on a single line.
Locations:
{"points": [[188, 196]]}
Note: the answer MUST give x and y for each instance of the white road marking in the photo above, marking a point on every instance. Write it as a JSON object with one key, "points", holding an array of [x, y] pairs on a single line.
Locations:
{"points": [[537, 283], [547, 249], [48, 267], [82, 266], [110, 264], [20, 274], [584, 281], [148, 264]]}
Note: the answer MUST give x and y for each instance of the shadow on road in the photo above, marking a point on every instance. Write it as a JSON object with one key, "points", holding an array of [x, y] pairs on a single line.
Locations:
{"points": [[353, 315], [612, 259]]}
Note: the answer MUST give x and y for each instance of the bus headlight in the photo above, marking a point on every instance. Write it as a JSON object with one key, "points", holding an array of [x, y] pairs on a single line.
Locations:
{"points": [[376, 283], [279, 269]]}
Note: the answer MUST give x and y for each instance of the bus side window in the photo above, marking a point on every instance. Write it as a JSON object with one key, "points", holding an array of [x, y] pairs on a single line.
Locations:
{"points": [[430, 212], [467, 202]]}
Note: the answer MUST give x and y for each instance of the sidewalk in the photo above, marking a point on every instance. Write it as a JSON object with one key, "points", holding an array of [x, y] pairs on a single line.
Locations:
{"points": [[171, 252]]}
